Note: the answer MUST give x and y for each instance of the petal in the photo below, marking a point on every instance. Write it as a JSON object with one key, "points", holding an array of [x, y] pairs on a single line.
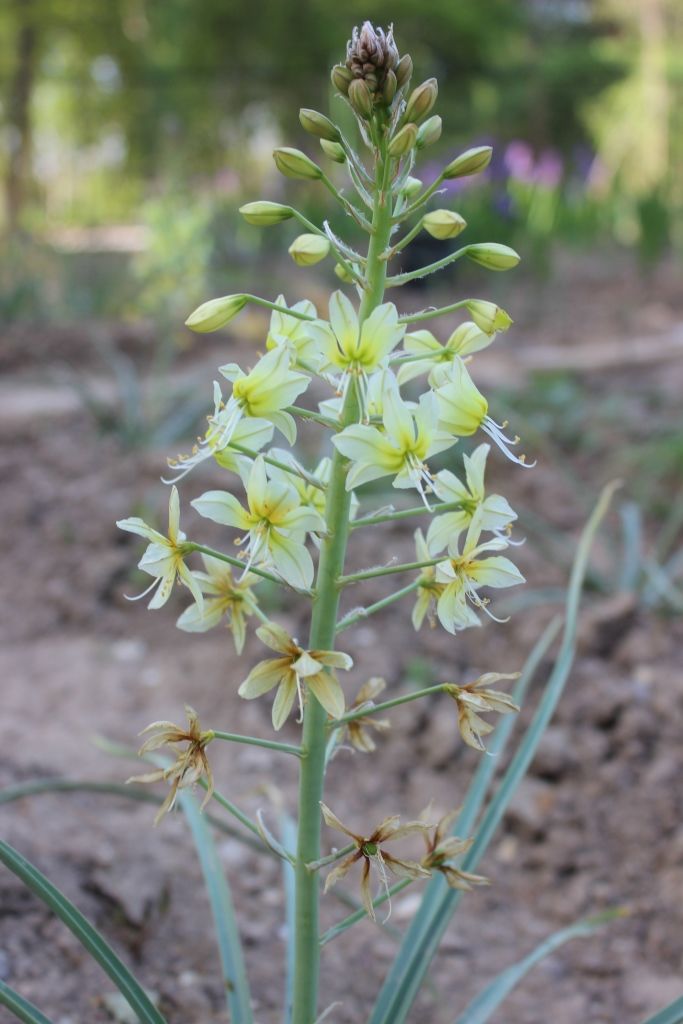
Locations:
{"points": [[380, 334], [197, 620], [495, 572], [190, 582], [262, 678], [139, 526], [222, 507], [173, 514], [363, 472], [344, 322], [335, 659], [304, 520], [328, 692], [292, 561], [475, 467], [284, 701], [398, 419], [417, 342], [333, 821], [340, 871], [366, 891], [275, 637], [163, 591], [405, 868], [411, 828], [448, 488], [442, 528]]}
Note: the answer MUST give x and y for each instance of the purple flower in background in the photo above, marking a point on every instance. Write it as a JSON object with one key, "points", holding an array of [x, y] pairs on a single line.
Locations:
{"points": [[547, 170], [519, 160]]}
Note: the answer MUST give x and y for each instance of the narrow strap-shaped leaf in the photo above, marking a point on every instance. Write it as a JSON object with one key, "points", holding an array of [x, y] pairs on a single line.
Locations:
{"points": [[87, 935], [426, 931], [671, 1014], [20, 1007], [227, 935], [490, 998]]}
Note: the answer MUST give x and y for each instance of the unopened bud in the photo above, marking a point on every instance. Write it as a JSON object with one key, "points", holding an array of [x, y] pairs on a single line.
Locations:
{"points": [[264, 213], [317, 124], [404, 70], [421, 101], [472, 161], [309, 249], [216, 313], [341, 79], [443, 224], [403, 141], [334, 150], [493, 256], [429, 132], [295, 164], [410, 187], [389, 88], [360, 98], [488, 317], [342, 273]]}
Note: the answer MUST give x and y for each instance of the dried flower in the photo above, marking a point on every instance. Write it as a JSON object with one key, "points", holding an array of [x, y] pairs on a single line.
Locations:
{"points": [[476, 699], [190, 764], [443, 848], [164, 556], [295, 666], [225, 598], [369, 850], [358, 729]]}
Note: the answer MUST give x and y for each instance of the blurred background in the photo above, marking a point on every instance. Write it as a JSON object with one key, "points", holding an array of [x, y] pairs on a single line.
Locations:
{"points": [[130, 133]]}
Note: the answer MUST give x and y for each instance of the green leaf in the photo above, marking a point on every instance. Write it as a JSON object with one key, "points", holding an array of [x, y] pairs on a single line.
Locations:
{"points": [[439, 904], [229, 945], [288, 833], [21, 1007], [672, 1014], [490, 998], [88, 936]]}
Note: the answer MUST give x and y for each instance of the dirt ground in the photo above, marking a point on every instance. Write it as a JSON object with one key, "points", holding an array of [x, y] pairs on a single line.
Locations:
{"points": [[596, 824]]}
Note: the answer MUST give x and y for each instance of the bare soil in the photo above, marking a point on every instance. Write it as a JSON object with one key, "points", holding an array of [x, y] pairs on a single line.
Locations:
{"points": [[597, 823]]}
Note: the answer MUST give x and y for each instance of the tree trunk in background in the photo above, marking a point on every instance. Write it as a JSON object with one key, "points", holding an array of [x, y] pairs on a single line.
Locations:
{"points": [[19, 112]]}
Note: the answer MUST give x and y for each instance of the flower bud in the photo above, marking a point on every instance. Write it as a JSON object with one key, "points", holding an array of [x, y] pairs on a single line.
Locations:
{"points": [[493, 256], [264, 213], [410, 187], [317, 124], [403, 141], [341, 79], [421, 101], [343, 274], [389, 88], [404, 70], [360, 98], [334, 150], [443, 224], [216, 313], [472, 161], [309, 249], [429, 132], [295, 164], [488, 317]]}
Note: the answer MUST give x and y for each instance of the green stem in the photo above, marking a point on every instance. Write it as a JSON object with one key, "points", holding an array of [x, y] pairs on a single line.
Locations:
{"points": [[256, 300], [315, 417], [332, 857], [429, 314], [403, 242], [373, 709], [237, 562], [322, 636], [283, 748], [431, 268], [292, 470], [389, 570], [406, 513], [364, 613], [420, 201]]}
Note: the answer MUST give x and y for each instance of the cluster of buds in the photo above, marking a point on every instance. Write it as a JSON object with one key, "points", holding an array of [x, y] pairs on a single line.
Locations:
{"points": [[373, 73]]}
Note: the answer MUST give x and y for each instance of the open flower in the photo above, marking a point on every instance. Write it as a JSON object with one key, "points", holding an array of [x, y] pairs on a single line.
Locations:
{"points": [[463, 409], [190, 764], [370, 850], [494, 511], [410, 436], [294, 334], [477, 699], [358, 730], [226, 598], [354, 349], [465, 339], [428, 590], [465, 572], [221, 433], [164, 557], [275, 522], [295, 668], [443, 849], [309, 495]]}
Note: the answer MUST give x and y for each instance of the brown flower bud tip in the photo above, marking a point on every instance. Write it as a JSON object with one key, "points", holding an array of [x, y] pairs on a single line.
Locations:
{"points": [[372, 57], [341, 78], [404, 70], [421, 101], [317, 124], [360, 98]]}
